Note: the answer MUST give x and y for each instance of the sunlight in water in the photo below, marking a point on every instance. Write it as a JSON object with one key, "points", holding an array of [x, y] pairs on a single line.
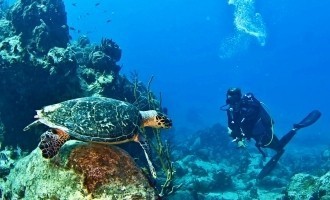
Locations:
{"points": [[248, 24]]}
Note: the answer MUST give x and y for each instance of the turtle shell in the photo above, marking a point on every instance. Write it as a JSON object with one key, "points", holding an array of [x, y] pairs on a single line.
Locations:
{"points": [[96, 119]]}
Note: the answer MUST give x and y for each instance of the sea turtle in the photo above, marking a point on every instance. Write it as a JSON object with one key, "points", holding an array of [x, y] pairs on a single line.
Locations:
{"points": [[96, 119]]}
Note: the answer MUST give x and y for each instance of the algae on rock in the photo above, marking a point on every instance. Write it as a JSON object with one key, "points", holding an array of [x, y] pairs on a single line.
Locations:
{"points": [[73, 175]]}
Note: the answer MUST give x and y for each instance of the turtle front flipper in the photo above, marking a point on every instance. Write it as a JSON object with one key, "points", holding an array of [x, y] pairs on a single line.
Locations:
{"points": [[51, 142], [37, 122], [145, 146]]}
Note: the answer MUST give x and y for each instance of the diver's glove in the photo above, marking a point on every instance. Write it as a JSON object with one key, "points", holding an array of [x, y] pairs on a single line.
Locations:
{"points": [[240, 142], [229, 131]]}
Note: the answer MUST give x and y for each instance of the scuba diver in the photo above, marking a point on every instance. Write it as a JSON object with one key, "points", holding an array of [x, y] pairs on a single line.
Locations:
{"points": [[247, 118]]}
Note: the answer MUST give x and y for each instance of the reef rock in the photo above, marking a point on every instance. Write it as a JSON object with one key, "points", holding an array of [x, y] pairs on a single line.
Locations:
{"points": [[5, 29], [39, 67], [2, 132], [302, 185], [42, 23], [6, 161], [324, 186], [80, 171], [305, 186]]}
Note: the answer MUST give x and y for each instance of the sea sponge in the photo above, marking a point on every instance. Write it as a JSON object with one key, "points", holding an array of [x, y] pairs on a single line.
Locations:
{"points": [[101, 164], [110, 48]]}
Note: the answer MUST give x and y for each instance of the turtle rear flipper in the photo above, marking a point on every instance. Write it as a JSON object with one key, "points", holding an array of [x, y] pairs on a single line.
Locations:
{"points": [[51, 142], [145, 146]]}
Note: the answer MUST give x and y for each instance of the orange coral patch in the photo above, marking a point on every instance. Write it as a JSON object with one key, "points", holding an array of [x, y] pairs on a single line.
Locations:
{"points": [[102, 164]]}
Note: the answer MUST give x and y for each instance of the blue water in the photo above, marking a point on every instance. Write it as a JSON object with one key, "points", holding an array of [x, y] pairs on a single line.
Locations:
{"points": [[279, 50]]}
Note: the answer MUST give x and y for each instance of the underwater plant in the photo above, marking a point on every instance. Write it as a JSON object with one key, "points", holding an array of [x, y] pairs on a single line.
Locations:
{"points": [[160, 147]]}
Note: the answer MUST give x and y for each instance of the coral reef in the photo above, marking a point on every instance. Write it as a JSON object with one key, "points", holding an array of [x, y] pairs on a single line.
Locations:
{"points": [[302, 186], [41, 24], [5, 30], [38, 67], [209, 167], [306, 186], [2, 133], [203, 177], [81, 171], [7, 159], [111, 49], [222, 180]]}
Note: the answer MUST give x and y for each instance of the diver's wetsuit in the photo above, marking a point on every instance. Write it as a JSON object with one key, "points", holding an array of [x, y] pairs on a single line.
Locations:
{"points": [[248, 119]]}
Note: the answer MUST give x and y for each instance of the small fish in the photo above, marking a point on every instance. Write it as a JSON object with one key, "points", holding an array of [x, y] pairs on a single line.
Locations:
{"points": [[72, 28], [109, 20], [97, 4], [74, 4]]}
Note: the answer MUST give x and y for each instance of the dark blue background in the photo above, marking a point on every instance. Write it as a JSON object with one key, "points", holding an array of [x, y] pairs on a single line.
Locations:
{"points": [[179, 43]]}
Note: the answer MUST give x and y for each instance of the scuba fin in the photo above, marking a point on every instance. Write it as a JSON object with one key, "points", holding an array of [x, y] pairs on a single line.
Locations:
{"points": [[270, 165], [310, 119]]}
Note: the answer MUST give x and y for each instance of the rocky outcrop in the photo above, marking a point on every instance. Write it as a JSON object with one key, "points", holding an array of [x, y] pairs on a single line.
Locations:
{"points": [[39, 67], [305, 186], [41, 23], [79, 171]]}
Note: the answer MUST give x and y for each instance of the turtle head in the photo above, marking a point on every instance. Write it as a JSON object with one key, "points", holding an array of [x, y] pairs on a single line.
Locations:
{"points": [[154, 119], [163, 121]]}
